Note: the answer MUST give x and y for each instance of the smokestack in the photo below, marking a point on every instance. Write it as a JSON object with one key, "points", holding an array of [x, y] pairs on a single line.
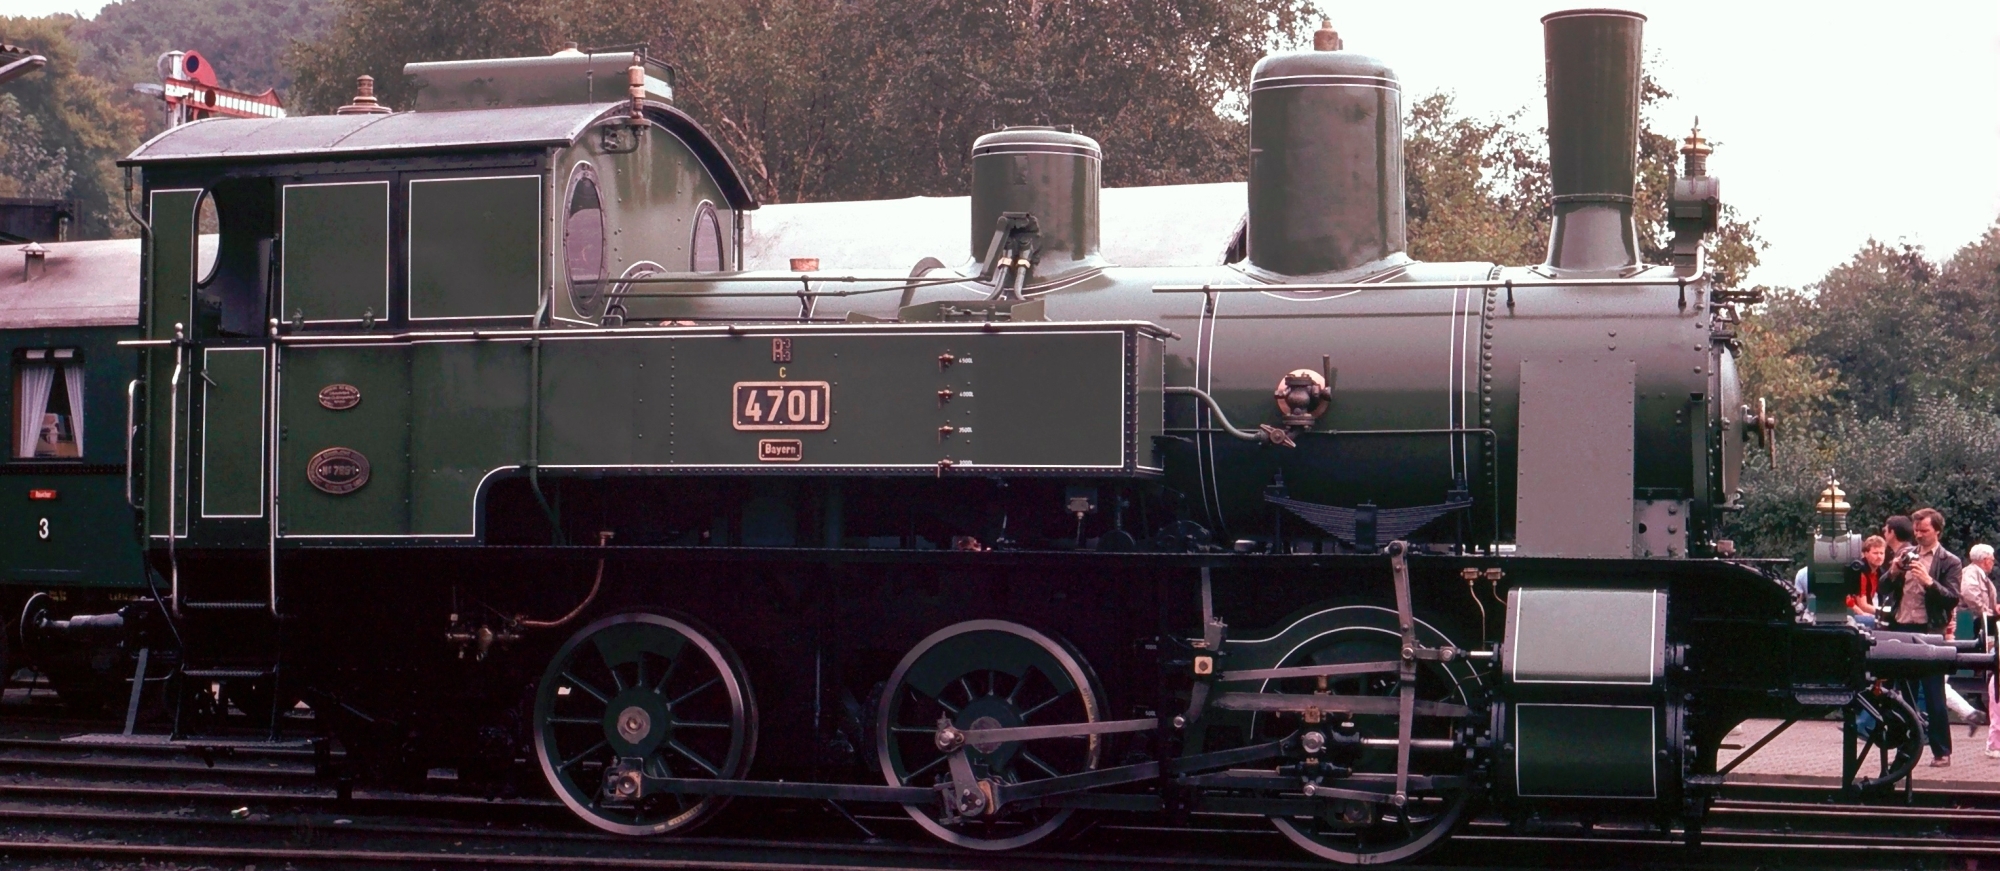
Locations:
{"points": [[1593, 85]]}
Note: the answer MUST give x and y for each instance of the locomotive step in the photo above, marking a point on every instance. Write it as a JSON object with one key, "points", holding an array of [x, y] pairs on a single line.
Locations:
{"points": [[225, 606], [119, 739], [229, 672]]}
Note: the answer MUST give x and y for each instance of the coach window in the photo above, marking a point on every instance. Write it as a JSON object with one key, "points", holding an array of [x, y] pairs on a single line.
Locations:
{"points": [[707, 245], [583, 239], [48, 404]]}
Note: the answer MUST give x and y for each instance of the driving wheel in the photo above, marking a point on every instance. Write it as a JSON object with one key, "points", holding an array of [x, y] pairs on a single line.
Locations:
{"points": [[1361, 832], [988, 674], [641, 691]]}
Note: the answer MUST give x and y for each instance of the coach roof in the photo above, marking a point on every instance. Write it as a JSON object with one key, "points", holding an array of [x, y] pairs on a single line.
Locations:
{"points": [[73, 284]]}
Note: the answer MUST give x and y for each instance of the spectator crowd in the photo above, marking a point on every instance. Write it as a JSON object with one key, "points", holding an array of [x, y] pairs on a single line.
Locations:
{"points": [[1909, 582]]}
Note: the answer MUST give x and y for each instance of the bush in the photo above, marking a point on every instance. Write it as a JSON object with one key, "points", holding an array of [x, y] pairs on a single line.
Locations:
{"points": [[1944, 454]]}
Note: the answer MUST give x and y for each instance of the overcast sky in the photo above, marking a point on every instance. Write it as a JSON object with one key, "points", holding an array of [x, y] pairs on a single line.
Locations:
{"points": [[1834, 122]]}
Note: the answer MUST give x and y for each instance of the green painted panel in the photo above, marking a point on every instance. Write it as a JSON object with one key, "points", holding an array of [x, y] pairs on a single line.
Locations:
{"points": [[335, 251], [232, 433], [1586, 751], [89, 536], [474, 419], [1052, 399], [475, 247], [882, 392], [1150, 404], [663, 400], [170, 291], [378, 427], [1585, 636], [591, 400]]}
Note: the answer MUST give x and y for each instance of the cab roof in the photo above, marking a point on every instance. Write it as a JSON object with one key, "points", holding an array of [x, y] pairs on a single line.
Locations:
{"points": [[320, 137]]}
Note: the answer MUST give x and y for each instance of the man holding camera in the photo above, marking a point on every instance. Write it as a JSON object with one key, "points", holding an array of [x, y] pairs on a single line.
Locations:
{"points": [[1920, 595]]}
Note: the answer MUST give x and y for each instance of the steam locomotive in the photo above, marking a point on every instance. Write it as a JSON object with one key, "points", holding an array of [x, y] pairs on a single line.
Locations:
{"points": [[478, 438]]}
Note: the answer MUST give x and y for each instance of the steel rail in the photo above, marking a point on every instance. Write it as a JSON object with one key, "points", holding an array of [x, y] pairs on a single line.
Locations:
{"points": [[1486, 284]]}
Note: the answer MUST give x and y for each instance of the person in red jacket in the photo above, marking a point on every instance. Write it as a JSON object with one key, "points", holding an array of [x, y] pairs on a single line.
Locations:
{"points": [[1874, 550]]}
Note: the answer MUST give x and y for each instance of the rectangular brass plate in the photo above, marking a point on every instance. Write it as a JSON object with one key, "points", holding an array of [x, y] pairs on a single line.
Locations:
{"points": [[780, 450], [783, 405]]}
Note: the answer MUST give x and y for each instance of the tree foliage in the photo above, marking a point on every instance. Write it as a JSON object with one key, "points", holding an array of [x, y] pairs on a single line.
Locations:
{"points": [[74, 116], [1479, 190], [27, 167], [825, 99], [377, 37], [1884, 371], [1474, 189], [246, 40]]}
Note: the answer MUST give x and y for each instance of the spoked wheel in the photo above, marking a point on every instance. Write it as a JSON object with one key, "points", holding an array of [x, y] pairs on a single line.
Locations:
{"points": [[1353, 831], [659, 694], [988, 674], [1886, 724]]}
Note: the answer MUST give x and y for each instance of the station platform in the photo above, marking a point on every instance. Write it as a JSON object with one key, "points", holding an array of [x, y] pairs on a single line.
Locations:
{"points": [[1808, 754]]}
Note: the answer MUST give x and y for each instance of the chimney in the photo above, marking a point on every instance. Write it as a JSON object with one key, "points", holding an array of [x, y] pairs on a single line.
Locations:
{"points": [[1593, 87]]}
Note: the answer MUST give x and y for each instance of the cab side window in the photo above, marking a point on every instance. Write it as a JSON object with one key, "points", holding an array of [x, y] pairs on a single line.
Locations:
{"points": [[706, 247], [48, 404], [583, 240], [238, 280]]}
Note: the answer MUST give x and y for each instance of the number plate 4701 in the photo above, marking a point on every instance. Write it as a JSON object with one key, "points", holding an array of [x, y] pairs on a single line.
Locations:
{"points": [[783, 405]]}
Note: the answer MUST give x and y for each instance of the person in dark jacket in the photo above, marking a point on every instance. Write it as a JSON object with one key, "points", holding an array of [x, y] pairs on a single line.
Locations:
{"points": [[1919, 594]]}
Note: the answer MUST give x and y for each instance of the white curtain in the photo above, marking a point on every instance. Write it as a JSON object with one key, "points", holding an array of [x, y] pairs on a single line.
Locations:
{"points": [[36, 380], [73, 378]]}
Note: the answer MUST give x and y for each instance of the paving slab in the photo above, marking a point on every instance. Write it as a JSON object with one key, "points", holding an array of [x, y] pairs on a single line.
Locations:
{"points": [[1808, 754]]}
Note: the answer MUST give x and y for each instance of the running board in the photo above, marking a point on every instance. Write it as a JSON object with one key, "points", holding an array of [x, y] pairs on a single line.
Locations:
{"points": [[118, 739]]}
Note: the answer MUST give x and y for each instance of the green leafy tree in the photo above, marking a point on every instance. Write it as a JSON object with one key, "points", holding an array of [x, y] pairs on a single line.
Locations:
{"points": [[246, 40], [1800, 387], [1943, 453], [1474, 190], [1479, 190], [78, 117], [825, 99], [377, 37], [27, 169]]}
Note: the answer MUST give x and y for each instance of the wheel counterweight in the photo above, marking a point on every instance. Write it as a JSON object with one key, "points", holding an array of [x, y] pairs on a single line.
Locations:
{"points": [[646, 694]]}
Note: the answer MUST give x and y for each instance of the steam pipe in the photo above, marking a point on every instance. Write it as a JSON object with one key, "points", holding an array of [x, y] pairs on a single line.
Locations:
{"points": [[1593, 58]]}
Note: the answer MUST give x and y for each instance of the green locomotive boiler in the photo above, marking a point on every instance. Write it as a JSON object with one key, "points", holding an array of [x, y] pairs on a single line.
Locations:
{"points": [[479, 440]]}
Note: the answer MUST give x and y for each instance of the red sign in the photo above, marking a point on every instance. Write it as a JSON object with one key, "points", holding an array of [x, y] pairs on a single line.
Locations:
{"points": [[41, 495]]}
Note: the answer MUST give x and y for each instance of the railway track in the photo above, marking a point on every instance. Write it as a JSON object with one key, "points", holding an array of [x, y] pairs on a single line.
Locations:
{"points": [[60, 801]]}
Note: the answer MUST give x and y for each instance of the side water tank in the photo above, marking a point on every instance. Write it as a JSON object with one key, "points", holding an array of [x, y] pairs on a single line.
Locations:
{"points": [[1326, 162], [1051, 174]]}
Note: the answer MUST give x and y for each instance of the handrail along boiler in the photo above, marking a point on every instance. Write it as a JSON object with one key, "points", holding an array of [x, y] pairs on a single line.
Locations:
{"points": [[1313, 531]]}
